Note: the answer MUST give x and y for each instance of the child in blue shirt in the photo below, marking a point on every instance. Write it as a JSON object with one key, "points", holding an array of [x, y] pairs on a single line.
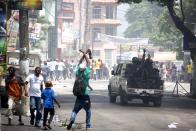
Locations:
{"points": [[48, 102]]}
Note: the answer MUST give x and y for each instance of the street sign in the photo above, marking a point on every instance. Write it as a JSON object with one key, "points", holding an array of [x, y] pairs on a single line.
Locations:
{"points": [[25, 4]]}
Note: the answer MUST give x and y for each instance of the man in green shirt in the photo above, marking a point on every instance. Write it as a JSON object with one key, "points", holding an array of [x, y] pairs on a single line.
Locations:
{"points": [[82, 101]]}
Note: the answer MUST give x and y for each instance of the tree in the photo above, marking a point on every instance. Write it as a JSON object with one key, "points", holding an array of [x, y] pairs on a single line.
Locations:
{"points": [[179, 20], [142, 19], [151, 21]]}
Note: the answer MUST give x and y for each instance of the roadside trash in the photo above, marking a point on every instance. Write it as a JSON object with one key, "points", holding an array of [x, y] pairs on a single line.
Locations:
{"points": [[173, 125]]}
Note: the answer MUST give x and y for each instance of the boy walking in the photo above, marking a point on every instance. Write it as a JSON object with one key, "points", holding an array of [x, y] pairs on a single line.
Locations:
{"points": [[48, 102]]}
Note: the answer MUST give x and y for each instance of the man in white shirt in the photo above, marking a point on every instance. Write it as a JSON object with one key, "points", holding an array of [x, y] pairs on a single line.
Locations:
{"points": [[61, 66], [36, 86], [52, 69], [45, 71], [72, 69]]}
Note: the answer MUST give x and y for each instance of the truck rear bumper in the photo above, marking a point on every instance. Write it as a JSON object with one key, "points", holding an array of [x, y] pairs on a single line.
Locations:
{"points": [[138, 93]]}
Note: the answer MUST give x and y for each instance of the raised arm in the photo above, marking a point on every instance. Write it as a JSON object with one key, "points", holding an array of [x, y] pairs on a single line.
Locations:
{"points": [[85, 57], [81, 59], [87, 60]]}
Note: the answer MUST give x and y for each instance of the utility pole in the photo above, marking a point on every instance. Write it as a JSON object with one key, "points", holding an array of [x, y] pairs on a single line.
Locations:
{"points": [[80, 24], [24, 42], [24, 49], [87, 26], [56, 29]]}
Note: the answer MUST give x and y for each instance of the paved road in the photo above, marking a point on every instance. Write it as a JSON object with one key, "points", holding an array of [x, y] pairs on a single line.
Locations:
{"points": [[176, 112]]}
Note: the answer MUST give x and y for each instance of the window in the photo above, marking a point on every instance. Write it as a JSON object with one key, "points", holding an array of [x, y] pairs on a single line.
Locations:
{"points": [[109, 12], [108, 57], [110, 30], [67, 6], [97, 12], [96, 31], [96, 53], [68, 15]]}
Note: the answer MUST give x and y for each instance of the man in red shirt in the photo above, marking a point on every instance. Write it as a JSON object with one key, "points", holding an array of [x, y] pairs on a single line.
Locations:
{"points": [[15, 88]]}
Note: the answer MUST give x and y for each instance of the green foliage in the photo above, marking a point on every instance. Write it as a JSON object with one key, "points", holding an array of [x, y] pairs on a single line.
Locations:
{"points": [[189, 7], [43, 20], [163, 31], [148, 20], [160, 2]]}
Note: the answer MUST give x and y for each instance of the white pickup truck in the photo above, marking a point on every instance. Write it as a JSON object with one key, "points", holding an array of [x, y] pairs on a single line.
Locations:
{"points": [[127, 82]]}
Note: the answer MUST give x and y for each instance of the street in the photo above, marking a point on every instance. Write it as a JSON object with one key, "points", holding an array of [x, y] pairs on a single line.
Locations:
{"points": [[137, 44], [176, 113]]}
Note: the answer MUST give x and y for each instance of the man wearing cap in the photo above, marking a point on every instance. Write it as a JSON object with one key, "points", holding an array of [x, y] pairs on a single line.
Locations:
{"points": [[82, 101]]}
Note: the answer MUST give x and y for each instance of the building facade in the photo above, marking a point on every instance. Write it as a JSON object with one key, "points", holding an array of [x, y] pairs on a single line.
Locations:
{"points": [[79, 25], [104, 20], [68, 28]]}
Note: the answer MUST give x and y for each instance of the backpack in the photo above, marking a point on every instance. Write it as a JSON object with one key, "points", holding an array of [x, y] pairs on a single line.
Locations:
{"points": [[79, 85]]}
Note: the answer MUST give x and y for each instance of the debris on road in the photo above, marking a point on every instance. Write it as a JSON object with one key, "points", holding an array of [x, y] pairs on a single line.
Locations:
{"points": [[173, 125]]}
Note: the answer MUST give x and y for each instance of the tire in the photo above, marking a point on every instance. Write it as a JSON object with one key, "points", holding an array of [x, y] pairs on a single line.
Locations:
{"points": [[157, 102], [145, 101], [123, 97], [111, 97]]}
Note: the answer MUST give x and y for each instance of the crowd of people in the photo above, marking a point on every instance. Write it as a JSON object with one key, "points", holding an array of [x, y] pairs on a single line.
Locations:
{"points": [[171, 72], [57, 70]]}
